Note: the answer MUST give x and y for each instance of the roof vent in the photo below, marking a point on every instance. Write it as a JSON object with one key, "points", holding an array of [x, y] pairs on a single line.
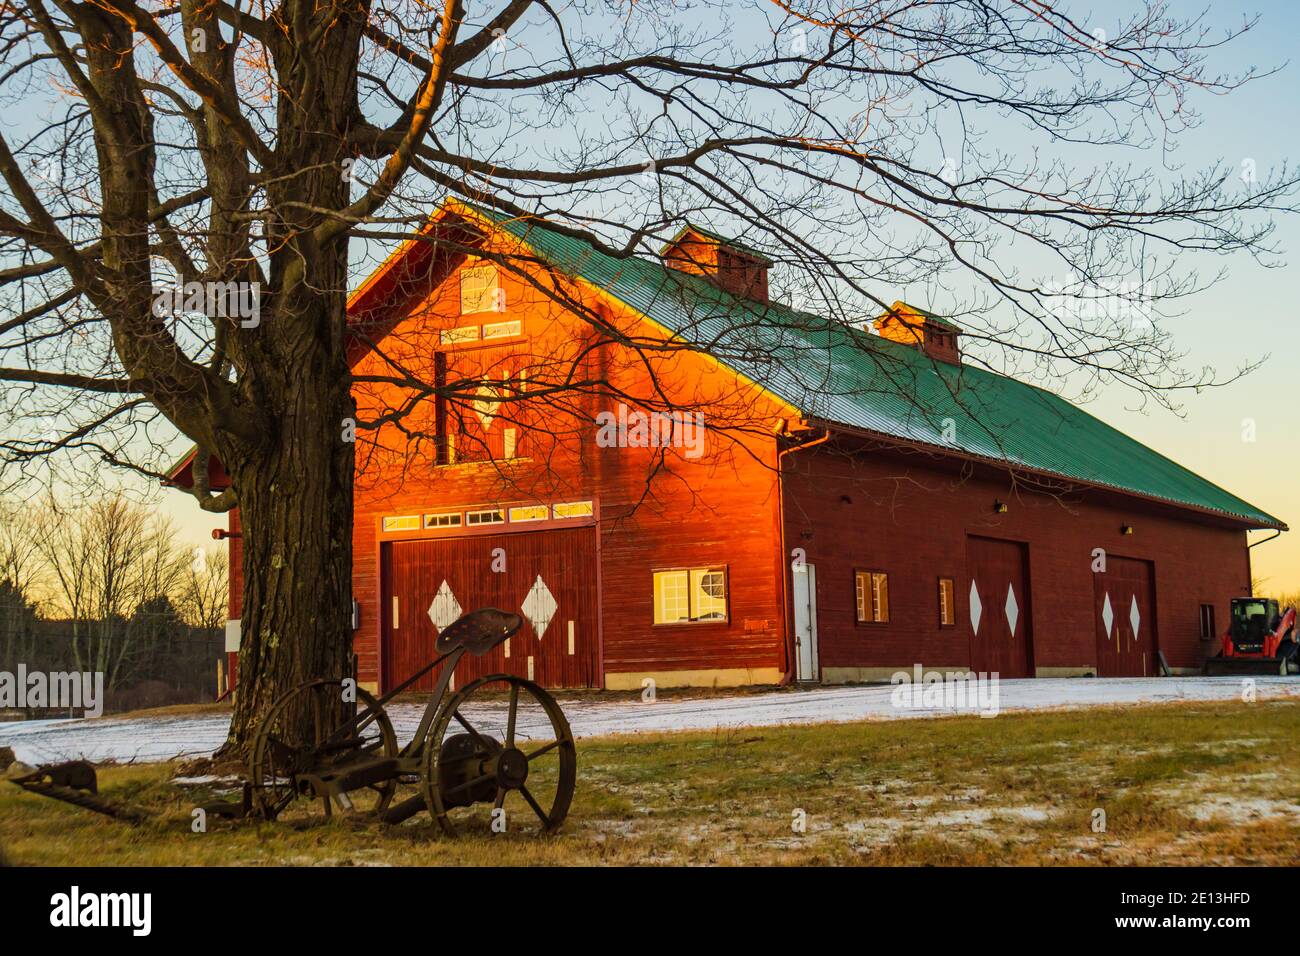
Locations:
{"points": [[724, 262], [932, 334]]}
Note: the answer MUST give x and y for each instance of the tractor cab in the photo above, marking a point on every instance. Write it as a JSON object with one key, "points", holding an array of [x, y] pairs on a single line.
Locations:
{"points": [[1253, 620]]}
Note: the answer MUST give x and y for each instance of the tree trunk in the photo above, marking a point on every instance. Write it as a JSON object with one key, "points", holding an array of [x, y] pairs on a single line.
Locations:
{"points": [[296, 513]]}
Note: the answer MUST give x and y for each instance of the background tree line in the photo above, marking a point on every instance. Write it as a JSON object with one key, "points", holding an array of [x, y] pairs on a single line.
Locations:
{"points": [[106, 586]]}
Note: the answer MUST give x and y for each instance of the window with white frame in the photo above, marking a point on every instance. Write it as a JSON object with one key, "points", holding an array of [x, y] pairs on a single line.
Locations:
{"points": [[490, 516], [574, 509], [502, 330], [479, 290], [871, 591], [690, 595], [445, 519], [402, 523]]}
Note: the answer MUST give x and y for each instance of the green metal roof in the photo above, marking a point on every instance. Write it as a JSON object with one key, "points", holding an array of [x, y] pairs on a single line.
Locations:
{"points": [[841, 375]]}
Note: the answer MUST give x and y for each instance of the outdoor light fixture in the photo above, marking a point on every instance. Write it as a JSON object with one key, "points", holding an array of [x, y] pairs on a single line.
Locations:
{"points": [[999, 506], [1126, 529]]}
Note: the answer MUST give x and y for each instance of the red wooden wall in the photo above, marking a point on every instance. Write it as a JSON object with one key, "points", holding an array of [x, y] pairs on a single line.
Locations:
{"points": [[912, 516]]}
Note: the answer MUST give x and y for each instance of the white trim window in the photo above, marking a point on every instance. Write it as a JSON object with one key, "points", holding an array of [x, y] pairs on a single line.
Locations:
{"points": [[573, 509], [402, 523], [690, 595], [480, 290], [442, 519]]}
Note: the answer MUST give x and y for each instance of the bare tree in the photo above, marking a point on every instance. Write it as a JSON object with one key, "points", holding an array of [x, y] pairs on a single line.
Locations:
{"points": [[249, 153], [109, 562], [205, 588]]}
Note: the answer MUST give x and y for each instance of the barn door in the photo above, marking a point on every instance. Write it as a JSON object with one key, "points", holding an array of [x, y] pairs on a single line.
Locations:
{"points": [[547, 577], [1124, 601], [805, 622], [998, 599]]}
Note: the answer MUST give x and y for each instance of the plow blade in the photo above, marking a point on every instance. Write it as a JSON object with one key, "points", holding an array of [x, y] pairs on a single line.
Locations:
{"points": [[1216, 666]]}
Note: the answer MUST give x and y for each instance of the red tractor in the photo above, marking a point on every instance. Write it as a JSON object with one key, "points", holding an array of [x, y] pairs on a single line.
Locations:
{"points": [[1260, 639]]}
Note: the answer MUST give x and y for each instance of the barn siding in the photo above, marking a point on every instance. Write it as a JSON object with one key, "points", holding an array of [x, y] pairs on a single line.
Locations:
{"points": [[911, 517]]}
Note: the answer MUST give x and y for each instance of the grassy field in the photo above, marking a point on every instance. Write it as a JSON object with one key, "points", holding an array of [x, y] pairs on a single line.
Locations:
{"points": [[1179, 784]]}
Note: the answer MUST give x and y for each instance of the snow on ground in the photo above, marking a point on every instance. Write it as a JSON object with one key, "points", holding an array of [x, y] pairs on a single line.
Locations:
{"points": [[149, 739]]}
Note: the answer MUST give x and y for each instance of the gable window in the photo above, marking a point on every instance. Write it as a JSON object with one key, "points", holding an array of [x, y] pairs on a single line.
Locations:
{"points": [[947, 603], [479, 291], [688, 595], [1208, 632], [871, 591]]}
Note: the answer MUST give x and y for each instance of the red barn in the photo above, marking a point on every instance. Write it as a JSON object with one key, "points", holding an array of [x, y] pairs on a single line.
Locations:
{"points": [[783, 500]]}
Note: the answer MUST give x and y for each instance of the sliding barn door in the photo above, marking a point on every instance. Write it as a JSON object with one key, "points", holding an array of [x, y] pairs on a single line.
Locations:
{"points": [[547, 577], [1124, 602], [998, 599]]}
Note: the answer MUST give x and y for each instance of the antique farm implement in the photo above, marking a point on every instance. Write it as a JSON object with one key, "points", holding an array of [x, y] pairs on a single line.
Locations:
{"points": [[328, 744], [346, 754]]}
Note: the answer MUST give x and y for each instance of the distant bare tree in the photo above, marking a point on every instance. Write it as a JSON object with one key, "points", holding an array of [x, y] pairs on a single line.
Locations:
{"points": [[107, 561], [205, 588]]}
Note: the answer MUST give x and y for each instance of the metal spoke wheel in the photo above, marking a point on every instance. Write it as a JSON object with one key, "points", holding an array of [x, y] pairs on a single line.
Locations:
{"points": [[310, 731], [499, 758]]}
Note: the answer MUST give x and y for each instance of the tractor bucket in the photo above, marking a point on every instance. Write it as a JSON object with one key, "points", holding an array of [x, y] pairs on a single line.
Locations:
{"points": [[1217, 666]]}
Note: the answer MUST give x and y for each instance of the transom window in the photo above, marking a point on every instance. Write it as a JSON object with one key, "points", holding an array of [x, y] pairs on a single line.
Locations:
{"points": [[445, 519], [501, 330], [871, 590], [492, 516], [479, 291], [688, 595]]}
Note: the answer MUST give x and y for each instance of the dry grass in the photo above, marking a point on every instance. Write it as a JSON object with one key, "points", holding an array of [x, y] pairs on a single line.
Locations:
{"points": [[1179, 784]]}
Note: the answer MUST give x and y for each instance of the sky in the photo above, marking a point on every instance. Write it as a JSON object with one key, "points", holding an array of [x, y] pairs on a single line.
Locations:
{"points": [[1244, 436]]}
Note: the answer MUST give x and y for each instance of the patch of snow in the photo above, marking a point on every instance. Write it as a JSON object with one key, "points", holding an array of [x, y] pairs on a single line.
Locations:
{"points": [[151, 739]]}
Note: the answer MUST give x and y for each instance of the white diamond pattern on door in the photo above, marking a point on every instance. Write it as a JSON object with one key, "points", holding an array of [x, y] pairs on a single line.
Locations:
{"points": [[1107, 616], [539, 607], [975, 608], [1012, 609], [445, 609]]}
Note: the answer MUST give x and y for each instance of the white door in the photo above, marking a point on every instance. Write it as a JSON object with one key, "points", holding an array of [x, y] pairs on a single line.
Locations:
{"points": [[805, 622]]}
